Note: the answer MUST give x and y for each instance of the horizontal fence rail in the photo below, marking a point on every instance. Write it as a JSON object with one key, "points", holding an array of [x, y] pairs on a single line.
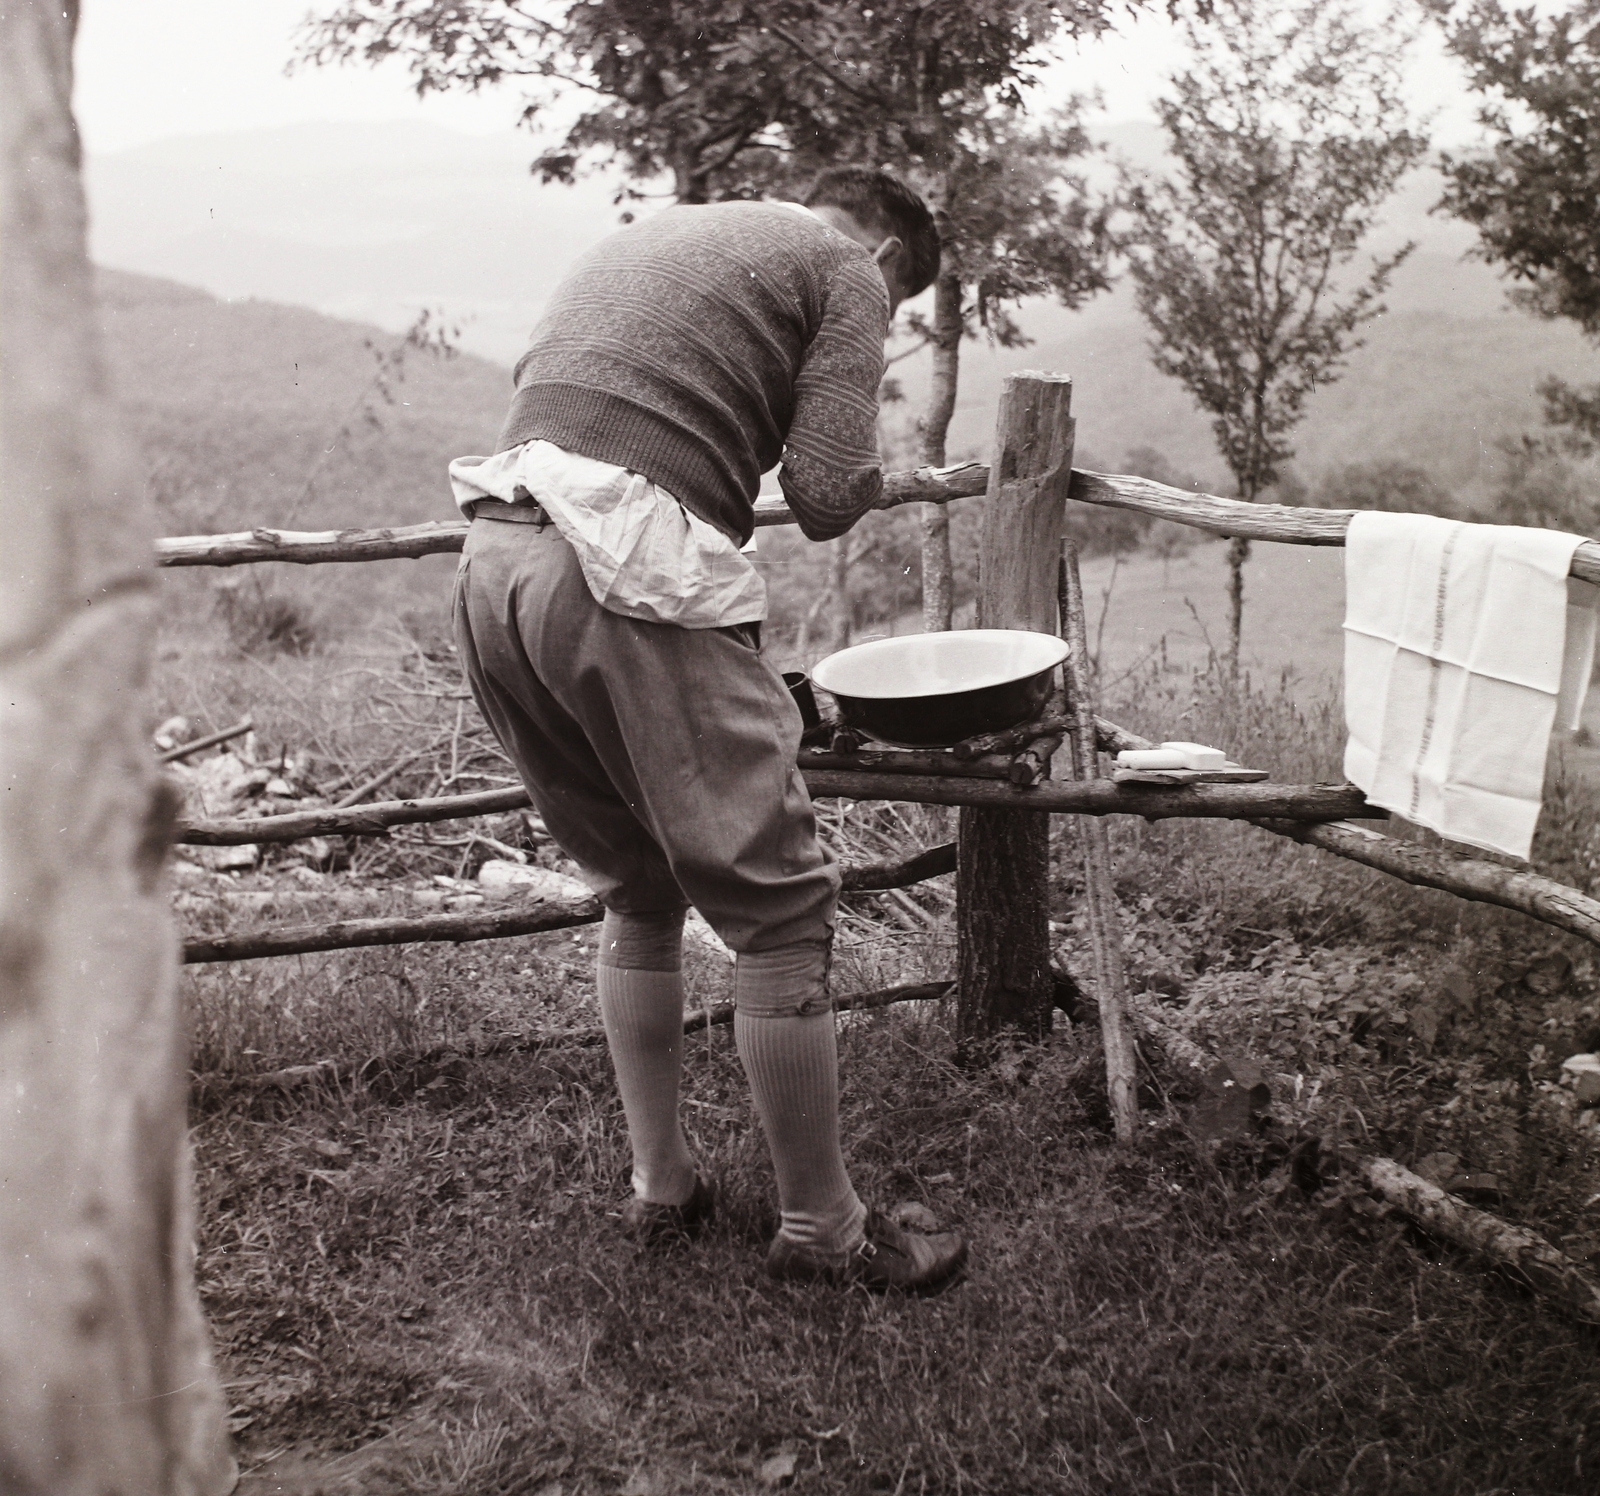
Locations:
{"points": [[1095, 797], [1201, 511], [503, 924]]}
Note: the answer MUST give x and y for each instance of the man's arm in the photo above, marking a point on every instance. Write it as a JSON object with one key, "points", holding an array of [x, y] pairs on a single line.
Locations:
{"points": [[831, 474]]}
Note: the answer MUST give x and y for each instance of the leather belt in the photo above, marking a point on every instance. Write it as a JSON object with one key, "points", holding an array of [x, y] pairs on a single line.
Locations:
{"points": [[516, 514], [524, 510]]}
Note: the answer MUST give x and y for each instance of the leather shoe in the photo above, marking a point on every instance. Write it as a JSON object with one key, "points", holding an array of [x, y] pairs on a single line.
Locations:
{"points": [[889, 1257], [646, 1221]]}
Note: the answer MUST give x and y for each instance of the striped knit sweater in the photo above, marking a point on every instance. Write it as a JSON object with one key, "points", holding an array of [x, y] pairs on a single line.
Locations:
{"points": [[700, 346]]}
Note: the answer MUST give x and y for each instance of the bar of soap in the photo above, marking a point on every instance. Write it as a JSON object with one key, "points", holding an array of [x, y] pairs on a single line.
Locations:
{"points": [[1198, 755], [1173, 756]]}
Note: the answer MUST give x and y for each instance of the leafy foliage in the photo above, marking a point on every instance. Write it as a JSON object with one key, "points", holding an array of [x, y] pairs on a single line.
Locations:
{"points": [[720, 95], [1546, 486], [1534, 195], [1399, 487]]}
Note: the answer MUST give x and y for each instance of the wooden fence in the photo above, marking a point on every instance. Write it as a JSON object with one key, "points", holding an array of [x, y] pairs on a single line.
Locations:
{"points": [[1000, 857]]}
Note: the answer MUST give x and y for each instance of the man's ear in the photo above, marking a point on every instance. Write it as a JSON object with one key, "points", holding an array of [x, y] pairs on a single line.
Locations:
{"points": [[887, 251]]}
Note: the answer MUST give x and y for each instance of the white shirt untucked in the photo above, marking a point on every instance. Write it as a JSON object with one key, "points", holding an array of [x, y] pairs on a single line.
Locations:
{"points": [[1463, 645], [642, 553]]}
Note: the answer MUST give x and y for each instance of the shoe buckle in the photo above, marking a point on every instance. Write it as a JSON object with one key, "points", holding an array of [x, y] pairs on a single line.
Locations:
{"points": [[867, 1250]]}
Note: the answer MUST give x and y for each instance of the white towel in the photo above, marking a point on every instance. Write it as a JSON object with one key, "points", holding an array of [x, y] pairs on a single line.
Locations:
{"points": [[1457, 649]]}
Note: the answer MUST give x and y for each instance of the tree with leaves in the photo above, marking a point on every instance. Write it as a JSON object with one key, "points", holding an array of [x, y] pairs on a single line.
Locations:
{"points": [[936, 90], [1015, 222], [696, 90], [1287, 133], [1534, 198]]}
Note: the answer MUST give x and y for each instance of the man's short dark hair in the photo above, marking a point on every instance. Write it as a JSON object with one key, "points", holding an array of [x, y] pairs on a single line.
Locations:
{"points": [[883, 202]]}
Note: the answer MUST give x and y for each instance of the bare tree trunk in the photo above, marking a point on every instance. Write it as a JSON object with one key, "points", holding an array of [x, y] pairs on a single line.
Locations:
{"points": [[839, 590], [938, 598], [1238, 554], [105, 1374]]}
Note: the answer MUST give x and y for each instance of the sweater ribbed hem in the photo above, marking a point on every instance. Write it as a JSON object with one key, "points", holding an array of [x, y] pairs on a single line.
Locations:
{"points": [[595, 423]]}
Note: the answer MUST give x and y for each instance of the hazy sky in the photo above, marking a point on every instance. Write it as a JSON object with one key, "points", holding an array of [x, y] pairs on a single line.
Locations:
{"points": [[151, 69]]}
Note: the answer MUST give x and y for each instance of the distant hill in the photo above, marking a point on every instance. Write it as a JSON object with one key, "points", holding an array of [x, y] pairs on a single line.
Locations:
{"points": [[373, 221], [250, 413]]}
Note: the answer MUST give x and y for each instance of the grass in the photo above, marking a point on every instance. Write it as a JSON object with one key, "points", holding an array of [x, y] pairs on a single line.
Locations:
{"points": [[417, 1285], [438, 1281], [415, 1280]]}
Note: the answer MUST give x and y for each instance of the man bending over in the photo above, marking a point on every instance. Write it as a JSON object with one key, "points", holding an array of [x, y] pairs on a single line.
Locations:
{"points": [[609, 626]]}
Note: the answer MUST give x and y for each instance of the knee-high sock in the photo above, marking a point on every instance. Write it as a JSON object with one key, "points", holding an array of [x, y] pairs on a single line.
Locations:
{"points": [[641, 1004], [783, 1026]]}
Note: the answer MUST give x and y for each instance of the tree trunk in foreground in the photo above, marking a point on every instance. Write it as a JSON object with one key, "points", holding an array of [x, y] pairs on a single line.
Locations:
{"points": [[1003, 856], [938, 587], [106, 1382]]}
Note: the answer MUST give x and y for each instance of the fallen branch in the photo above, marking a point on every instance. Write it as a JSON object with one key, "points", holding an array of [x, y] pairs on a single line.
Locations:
{"points": [[868, 876], [1100, 797], [1527, 1257], [365, 820], [348, 934], [1473, 878], [500, 924], [381, 778], [226, 735], [1523, 1254], [1183, 1054]]}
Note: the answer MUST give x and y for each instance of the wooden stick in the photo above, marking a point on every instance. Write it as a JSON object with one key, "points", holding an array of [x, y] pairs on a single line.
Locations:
{"points": [[1474, 878], [292, 940], [378, 780], [1012, 738], [348, 934], [865, 877], [907, 761], [1032, 765], [1202, 511], [1112, 739], [906, 992], [365, 820], [183, 750], [441, 537], [1100, 797], [1105, 936], [1308, 802], [1525, 1256]]}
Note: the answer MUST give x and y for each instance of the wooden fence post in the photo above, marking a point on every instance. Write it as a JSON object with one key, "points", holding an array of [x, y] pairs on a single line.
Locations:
{"points": [[1003, 856], [1100, 893], [106, 1382]]}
